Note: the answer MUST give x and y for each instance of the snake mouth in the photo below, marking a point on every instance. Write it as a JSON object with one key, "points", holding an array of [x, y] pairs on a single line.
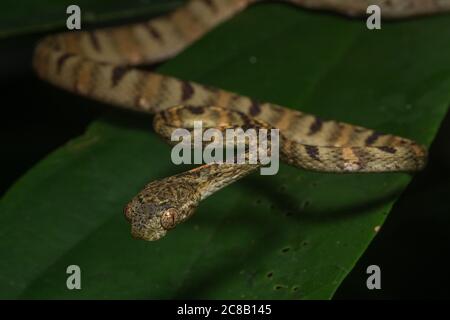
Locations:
{"points": [[148, 234]]}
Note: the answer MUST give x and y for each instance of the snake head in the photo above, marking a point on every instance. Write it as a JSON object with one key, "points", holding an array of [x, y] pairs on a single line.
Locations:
{"points": [[150, 221], [158, 208]]}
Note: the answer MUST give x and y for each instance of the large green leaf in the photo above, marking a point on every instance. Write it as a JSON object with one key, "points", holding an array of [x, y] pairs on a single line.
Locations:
{"points": [[292, 235]]}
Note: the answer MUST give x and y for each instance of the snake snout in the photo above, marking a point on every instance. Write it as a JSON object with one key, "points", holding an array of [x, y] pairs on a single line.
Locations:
{"points": [[127, 212], [147, 234]]}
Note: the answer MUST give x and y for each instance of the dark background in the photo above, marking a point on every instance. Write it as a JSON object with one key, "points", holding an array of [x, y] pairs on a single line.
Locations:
{"points": [[412, 248]]}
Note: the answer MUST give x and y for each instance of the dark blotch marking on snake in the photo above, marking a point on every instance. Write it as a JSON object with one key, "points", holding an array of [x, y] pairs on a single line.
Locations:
{"points": [[187, 90], [165, 117], [94, 41], [211, 5], [316, 126], [62, 60], [196, 110], [373, 137], [153, 32], [255, 108], [387, 149], [118, 73], [313, 152], [361, 155]]}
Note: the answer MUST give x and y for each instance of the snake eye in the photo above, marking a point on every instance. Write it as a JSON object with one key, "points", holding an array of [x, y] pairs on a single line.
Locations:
{"points": [[168, 218]]}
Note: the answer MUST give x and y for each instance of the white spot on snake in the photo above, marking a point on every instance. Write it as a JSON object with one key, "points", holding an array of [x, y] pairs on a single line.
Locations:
{"points": [[143, 103], [351, 166]]}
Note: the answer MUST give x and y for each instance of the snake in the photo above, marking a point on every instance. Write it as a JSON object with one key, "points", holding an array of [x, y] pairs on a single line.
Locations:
{"points": [[101, 64]]}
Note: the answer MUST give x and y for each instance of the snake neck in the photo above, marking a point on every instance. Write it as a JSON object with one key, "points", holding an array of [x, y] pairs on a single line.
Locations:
{"points": [[210, 178]]}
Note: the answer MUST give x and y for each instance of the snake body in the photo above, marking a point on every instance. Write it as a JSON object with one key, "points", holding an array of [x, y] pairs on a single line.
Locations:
{"points": [[98, 64]]}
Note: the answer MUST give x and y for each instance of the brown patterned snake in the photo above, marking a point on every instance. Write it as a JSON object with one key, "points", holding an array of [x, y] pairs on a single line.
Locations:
{"points": [[97, 64]]}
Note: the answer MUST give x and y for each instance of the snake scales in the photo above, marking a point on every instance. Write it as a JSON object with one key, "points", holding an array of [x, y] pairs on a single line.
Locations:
{"points": [[98, 64]]}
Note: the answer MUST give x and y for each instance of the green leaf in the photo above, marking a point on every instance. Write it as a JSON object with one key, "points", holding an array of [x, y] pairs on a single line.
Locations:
{"points": [[32, 16], [289, 236]]}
